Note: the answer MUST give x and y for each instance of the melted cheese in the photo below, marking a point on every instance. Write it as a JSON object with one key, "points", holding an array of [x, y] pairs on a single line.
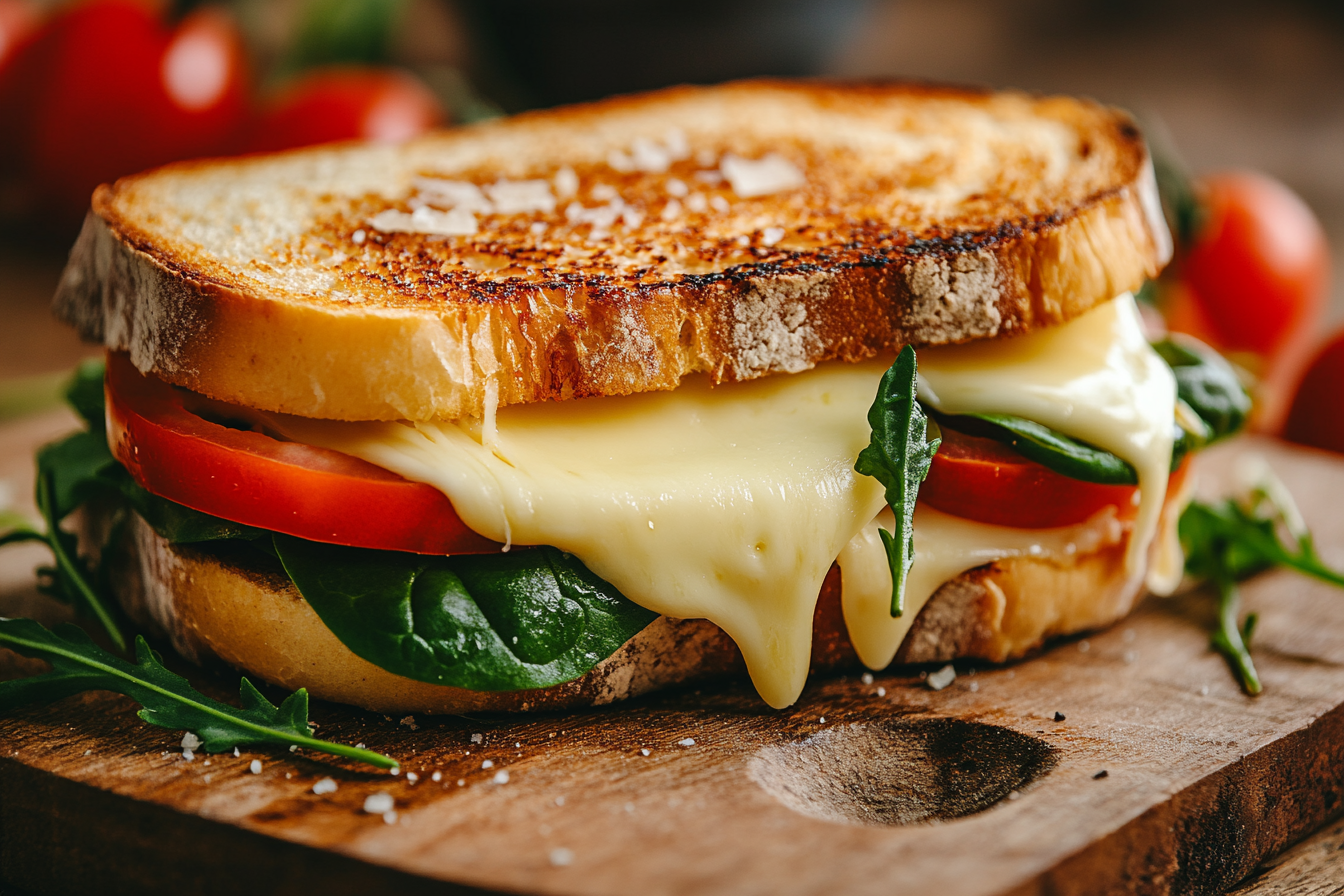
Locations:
{"points": [[731, 503], [945, 547], [1095, 378]]}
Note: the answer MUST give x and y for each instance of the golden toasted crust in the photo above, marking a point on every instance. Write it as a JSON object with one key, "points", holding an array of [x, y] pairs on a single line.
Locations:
{"points": [[231, 605], [924, 215]]}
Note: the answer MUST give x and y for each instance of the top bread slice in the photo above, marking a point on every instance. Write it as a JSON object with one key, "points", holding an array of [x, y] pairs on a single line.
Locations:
{"points": [[741, 230]]}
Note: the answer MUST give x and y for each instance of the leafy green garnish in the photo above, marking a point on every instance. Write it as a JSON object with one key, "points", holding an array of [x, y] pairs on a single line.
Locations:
{"points": [[1049, 448], [1208, 387], [898, 456], [168, 700], [491, 622], [1227, 542], [70, 472]]}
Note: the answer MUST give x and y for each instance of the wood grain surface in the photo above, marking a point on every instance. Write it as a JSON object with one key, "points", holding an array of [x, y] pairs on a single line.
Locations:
{"points": [[862, 787]]}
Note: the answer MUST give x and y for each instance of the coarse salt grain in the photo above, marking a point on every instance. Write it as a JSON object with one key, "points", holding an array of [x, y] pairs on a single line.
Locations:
{"points": [[236, 754], [866, 678], [501, 776], [687, 741], [719, 204], [436, 777], [358, 237], [326, 785], [359, 746], [644, 752], [412, 777], [942, 678], [881, 692], [772, 173], [188, 755], [975, 686], [478, 738], [461, 782], [293, 748], [771, 235], [560, 857], [190, 741], [390, 816], [255, 767], [489, 763], [378, 803], [559, 801], [566, 182]]}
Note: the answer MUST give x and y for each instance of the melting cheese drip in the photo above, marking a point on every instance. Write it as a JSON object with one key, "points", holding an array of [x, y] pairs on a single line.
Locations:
{"points": [[730, 504]]}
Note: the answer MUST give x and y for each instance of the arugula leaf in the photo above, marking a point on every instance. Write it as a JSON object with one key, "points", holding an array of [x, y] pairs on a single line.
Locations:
{"points": [[898, 456], [168, 700], [492, 622], [1048, 447], [1229, 541]]}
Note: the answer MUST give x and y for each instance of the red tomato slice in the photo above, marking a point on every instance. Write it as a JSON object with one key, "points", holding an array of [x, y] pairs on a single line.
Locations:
{"points": [[987, 481], [248, 477]]}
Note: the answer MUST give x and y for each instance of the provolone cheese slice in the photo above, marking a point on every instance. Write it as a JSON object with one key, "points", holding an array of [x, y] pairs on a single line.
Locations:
{"points": [[731, 503]]}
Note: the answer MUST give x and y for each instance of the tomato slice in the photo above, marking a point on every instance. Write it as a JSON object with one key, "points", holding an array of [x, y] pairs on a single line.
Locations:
{"points": [[987, 481], [158, 432]]}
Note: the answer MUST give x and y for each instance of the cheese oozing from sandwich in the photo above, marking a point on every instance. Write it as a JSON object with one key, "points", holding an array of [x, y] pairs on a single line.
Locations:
{"points": [[731, 503]]}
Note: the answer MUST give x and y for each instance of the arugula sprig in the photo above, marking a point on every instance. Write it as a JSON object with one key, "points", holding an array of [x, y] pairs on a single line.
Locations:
{"points": [[168, 700], [1230, 541], [898, 456], [69, 473]]}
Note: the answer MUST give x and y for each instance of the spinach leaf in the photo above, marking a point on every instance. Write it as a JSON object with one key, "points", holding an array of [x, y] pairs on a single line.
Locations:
{"points": [[1207, 384], [898, 456], [1048, 447], [168, 700], [175, 522], [498, 622]]}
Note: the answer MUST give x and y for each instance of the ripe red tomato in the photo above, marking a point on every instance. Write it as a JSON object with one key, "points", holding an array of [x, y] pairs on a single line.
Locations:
{"points": [[987, 481], [159, 434], [1260, 265], [1253, 284], [111, 90], [1316, 416], [331, 104]]}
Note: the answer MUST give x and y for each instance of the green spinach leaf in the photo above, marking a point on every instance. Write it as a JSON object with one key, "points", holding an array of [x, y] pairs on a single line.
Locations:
{"points": [[898, 456], [1048, 447], [498, 622], [168, 700], [1207, 384]]}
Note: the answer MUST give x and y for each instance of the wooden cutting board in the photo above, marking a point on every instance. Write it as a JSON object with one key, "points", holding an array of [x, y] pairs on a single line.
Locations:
{"points": [[864, 786]]}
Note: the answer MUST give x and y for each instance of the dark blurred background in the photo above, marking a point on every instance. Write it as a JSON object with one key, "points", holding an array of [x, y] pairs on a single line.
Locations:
{"points": [[1232, 84]]}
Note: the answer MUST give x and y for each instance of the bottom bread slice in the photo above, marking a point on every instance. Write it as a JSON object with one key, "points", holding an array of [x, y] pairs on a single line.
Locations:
{"points": [[231, 603]]}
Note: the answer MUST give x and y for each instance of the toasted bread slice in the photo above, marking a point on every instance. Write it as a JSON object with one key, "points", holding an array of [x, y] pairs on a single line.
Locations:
{"points": [[613, 248]]}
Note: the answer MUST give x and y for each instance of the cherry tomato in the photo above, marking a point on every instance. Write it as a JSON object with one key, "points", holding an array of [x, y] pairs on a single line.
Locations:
{"points": [[112, 90], [161, 436], [1316, 416], [1260, 265], [987, 481], [331, 104]]}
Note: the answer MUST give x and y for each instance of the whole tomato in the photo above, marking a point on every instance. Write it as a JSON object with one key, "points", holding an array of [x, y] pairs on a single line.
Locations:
{"points": [[109, 90], [1316, 416], [331, 104], [1253, 282]]}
